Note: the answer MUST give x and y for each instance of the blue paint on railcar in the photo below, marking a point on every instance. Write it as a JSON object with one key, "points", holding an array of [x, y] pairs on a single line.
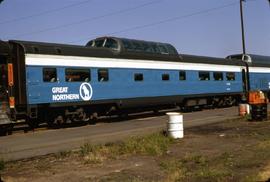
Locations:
{"points": [[121, 85], [259, 81]]}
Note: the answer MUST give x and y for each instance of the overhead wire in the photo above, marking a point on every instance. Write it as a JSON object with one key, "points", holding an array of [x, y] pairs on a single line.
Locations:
{"points": [[163, 21], [44, 12], [120, 12], [89, 19]]}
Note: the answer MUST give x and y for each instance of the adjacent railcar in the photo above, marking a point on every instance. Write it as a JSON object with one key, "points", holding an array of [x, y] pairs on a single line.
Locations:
{"points": [[259, 71], [56, 83]]}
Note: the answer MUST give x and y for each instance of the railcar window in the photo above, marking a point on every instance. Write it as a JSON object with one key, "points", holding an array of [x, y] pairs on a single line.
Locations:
{"points": [[163, 49], [230, 76], [110, 43], [127, 45], [99, 43], [147, 48], [138, 77], [218, 76], [236, 57], [171, 49], [165, 77], [155, 48], [90, 43], [137, 46], [204, 75], [49, 75], [182, 75], [77, 75], [103, 75]]}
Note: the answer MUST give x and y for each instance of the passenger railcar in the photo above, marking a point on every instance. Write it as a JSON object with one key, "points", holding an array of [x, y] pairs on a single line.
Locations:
{"points": [[64, 83], [259, 71]]}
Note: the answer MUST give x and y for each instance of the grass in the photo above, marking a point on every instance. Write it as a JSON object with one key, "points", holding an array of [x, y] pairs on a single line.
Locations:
{"points": [[248, 159], [231, 165], [193, 167], [196, 166], [124, 176], [63, 154], [155, 145]]}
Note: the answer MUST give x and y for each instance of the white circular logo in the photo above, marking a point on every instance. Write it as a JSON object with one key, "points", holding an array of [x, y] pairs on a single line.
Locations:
{"points": [[86, 91]]}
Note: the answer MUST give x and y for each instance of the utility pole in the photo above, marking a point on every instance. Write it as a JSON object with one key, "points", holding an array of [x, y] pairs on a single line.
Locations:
{"points": [[242, 27]]}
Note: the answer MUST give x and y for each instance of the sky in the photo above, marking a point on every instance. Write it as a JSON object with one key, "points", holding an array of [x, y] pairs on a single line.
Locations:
{"points": [[199, 27]]}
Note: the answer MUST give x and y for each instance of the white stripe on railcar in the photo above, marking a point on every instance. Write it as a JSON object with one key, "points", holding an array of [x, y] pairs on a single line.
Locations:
{"points": [[55, 60], [259, 70]]}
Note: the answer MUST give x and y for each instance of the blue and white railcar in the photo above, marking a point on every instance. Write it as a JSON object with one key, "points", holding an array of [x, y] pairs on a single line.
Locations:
{"points": [[62, 83], [259, 71], [116, 79]]}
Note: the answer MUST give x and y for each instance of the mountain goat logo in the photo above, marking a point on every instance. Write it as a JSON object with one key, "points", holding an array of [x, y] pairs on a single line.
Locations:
{"points": [[86, 91]]}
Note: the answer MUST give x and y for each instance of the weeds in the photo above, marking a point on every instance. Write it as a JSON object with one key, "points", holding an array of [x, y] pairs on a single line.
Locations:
{"points": [[193, 166], [174, 169], [88, 148], [63, 154], [247, 117], [155, 144], [241, 156]]}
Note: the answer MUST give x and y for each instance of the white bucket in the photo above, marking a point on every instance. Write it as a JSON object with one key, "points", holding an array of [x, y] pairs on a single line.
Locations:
{"points": [[244, 109], [248, 108], [175, 125]]}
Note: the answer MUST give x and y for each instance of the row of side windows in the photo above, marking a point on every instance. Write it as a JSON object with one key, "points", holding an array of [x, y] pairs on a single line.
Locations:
{"points": [[164, 77], [75, 75], [203, 75], [84, 75], [218, 76]]}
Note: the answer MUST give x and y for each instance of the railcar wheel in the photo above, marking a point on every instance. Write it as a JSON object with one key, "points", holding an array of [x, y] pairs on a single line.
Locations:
{"points": [[156, 111], [59, 120], [123, 115], [188, 109], [214, 103], [3, 131], [85, 118], [93, 118], [81, 116], [221, 103], [230, 101], [92, 121], [32, 123], [10, 129], [6, 129]]}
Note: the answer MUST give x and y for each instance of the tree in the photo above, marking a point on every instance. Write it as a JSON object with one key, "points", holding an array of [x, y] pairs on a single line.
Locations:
{"points": [[1, 1]]}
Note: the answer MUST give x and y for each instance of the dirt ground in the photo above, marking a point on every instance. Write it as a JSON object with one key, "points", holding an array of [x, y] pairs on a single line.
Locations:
{"points": [[234, 150]]}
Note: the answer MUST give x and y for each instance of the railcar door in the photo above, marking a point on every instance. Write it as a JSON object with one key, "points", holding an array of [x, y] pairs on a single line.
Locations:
{"points": [[244, 80]]}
